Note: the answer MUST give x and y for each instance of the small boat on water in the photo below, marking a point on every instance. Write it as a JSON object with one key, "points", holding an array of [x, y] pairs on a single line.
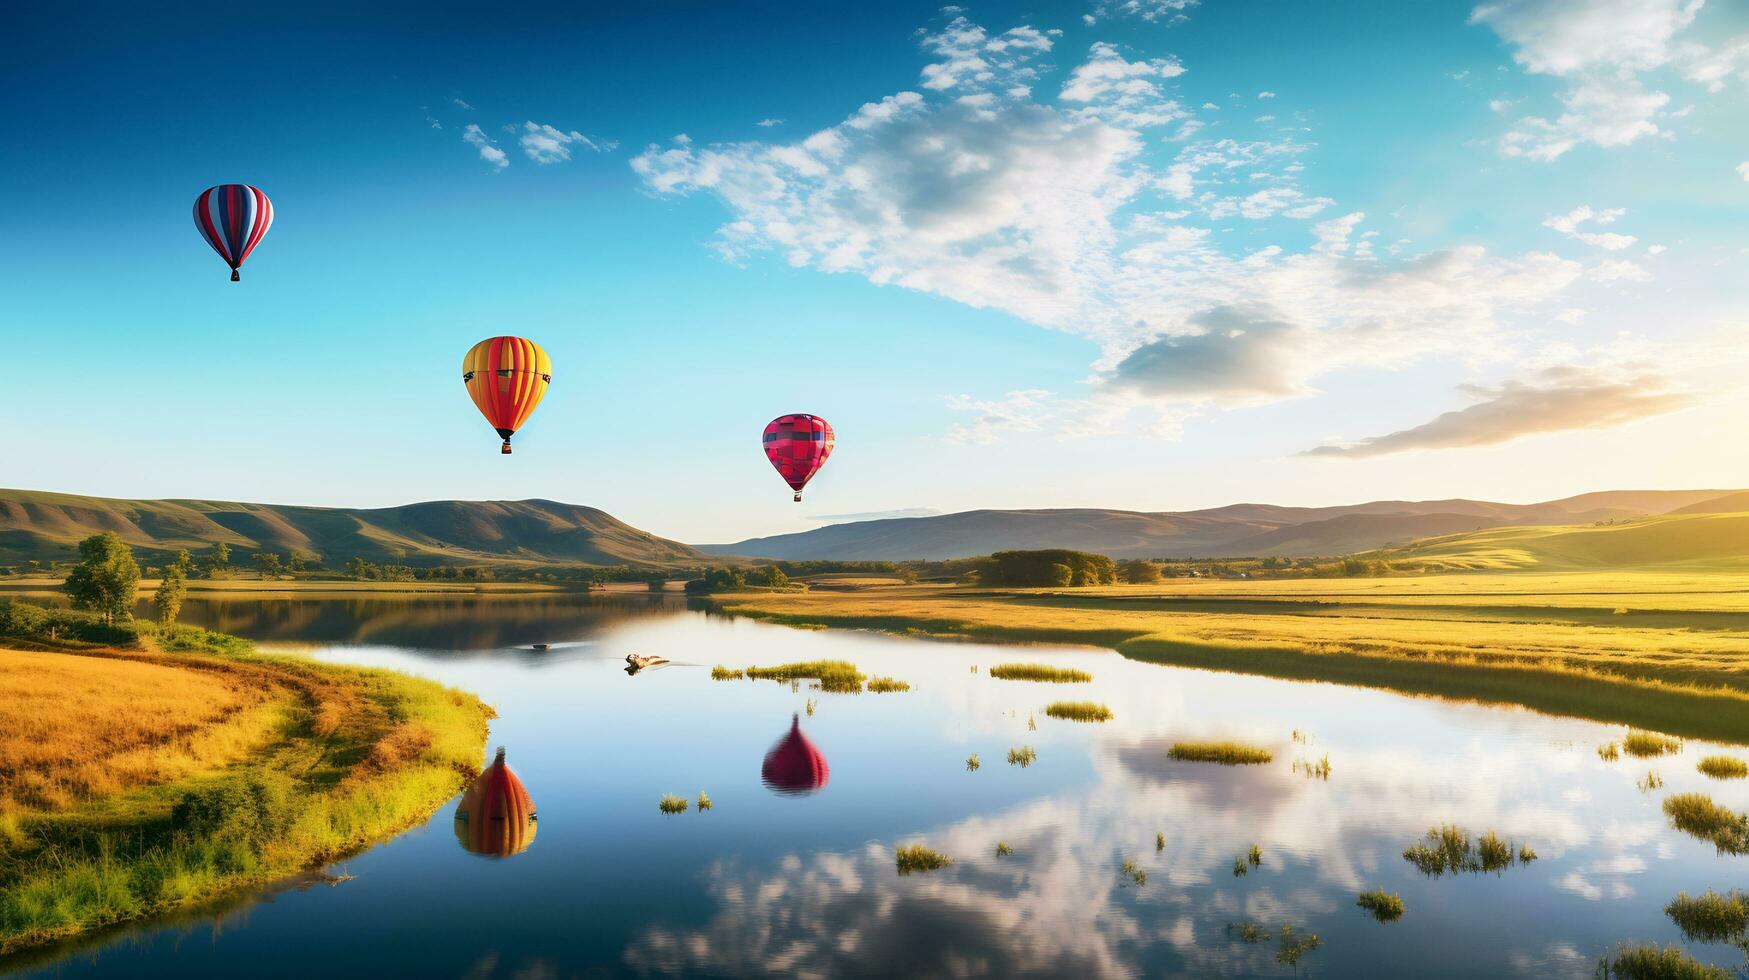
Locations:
{"points": [[635, 663], [543, 646]]}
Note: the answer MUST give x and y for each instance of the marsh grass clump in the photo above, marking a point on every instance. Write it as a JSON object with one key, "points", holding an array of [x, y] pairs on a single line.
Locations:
{"points": [[1134, 873], [1043, 673], [810, 706], [887, 685], [1646, 745], [1003, 850], [1314, 770], [1609, 752], [721, 673], [1650, 781], [918, 859], [1648, 962], [1711, 918], [1301, 737], [1697, 815], [1031, 723], [1383, 905], [1078, 711], [1246, 932], [1225, 753], [1723, 767], [704, 801], [833, 676], [1295, 945], [972, 763], [672, 804], [1159, 840], [1255, 856], [1240, 868], [1022, 757], [1449, 850]]}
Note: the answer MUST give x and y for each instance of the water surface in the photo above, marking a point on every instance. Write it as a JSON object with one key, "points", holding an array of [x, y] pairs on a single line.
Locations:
{"points": [[770, 884]]}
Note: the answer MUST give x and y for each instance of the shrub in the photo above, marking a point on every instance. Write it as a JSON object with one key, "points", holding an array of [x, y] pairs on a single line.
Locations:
{"points": [[254, 810]]}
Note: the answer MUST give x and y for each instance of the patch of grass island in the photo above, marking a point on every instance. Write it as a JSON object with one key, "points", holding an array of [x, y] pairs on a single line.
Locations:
{"points": [[887, 685], [1711, 917], [1042, 673], [1697, 815], [833, 676], [919, 859], [1078, 711], [1224, 753], [1647, 745], [1650, 962], [1383, 905], [146, 768], [1723, 767]]}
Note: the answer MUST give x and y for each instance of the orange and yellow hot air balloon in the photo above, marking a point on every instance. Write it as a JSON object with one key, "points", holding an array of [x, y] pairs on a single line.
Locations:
{"points": [[506, 377], [496, 817]]}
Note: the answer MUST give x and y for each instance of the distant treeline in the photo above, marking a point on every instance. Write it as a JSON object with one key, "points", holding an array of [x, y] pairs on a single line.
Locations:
{"points": [[1053, 566]]}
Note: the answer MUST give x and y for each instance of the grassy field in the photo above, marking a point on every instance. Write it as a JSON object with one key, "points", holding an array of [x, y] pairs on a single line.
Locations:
{"points": [[1663, 650], [139, 782]]}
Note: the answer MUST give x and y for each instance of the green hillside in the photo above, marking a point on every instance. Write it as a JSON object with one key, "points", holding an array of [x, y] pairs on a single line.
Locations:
{"points": [[47, 526], [1689, 540]]}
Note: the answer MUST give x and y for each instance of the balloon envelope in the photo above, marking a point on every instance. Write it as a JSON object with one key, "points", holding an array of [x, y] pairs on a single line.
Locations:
{"points": [[233, 218], [496, 816], [794, 767], [797, 446], [507, 377]]}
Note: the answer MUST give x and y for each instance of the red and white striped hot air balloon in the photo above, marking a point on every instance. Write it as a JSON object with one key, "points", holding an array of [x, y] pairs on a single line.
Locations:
{"points": [[233, 218]]}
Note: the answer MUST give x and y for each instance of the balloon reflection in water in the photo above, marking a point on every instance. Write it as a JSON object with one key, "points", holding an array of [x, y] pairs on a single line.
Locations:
{"points": [[496, 816], [794, 767]]}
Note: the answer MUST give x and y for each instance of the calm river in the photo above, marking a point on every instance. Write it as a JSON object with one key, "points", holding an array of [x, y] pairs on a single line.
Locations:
{"points": [[806, 885]]}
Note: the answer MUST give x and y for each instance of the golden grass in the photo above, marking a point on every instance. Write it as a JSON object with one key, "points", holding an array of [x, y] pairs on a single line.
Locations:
{"points": [[1711, 917], [1078, 711], [1679, 663], [1043, 673], [1723, 767], [1384, 906], [1649, 962], [721, 673], [1450, 850], [886, 685], [670, 803], [1022, 757], [1697, 815], [836, 676], [917, 859], [1225, 753], [296, 764], [1646, 745]]}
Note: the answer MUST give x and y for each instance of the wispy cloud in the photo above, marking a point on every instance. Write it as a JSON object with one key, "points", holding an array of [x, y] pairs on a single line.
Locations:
{"points": [[1553, 400], [462, 105], [1167, 12], [1570, 224], [546, 144], [489, 151], [768, 123]]}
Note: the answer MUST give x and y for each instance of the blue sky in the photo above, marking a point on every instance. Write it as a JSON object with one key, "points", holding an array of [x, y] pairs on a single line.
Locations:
{"points": [[1150, 254]]}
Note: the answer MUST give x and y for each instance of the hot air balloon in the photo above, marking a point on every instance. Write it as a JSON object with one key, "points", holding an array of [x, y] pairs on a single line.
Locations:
{"points": [[496, 816], [798, 446], [794, 767], [507, 376], [233, 218]]}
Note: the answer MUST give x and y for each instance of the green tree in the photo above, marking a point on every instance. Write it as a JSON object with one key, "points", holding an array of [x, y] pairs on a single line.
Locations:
{"points": [[221, 557], [184, 561], [105, 578], [772, 576], [294, 563], [168, 598], [269, 563], [1138, 571]]}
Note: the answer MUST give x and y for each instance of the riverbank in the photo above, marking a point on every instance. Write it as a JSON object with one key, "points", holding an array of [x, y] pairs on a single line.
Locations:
{"points": [[135, 782], [1668, 652]]}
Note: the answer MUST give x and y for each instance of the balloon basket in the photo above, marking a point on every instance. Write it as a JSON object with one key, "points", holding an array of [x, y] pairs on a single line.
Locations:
{"points": [[236, 276], [504, 450], [798, 496]]}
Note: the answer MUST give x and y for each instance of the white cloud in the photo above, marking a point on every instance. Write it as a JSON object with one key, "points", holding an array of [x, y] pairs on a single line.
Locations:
{"points": [[489, 151], [1602, 47], [1569, 224], [1743, 170], [1553, 400], [544, 144], [462, 104], [768, 123], [1070, 216], [1168, 12], [1266, 95]]}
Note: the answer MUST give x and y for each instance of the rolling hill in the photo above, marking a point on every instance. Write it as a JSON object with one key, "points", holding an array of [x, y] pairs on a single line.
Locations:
{"points": [[48, 526], [1687, 539], [1231, 531]]}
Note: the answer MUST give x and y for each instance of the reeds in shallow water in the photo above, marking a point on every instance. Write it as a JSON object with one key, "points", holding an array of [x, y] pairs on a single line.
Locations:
{"points": [[704, 801], [1314, 770], [1159, 840], [972, 763], [1044, 673], [1723, 767], [1246, 932], [1255, 856], [672, 804], [1383, 905], [887, 685], [834, 676], [917, 859], [1225, 753], [1134, 873], [1449, 850], [1650, 781], [1022, 757], [1609, 752], [1295, 945], [1003, 850], [1240, 868], [1645, 745], [1648, 962], [1078, 711], [1711, 918], [721, 673], [1697, 815]]}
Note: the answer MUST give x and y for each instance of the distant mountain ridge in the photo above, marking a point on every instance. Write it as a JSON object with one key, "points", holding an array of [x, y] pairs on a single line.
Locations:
{"points": [[47, 526], [1236, 530]]}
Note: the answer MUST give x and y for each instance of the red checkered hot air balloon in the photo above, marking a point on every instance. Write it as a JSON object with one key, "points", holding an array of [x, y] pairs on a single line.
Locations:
{"points": [[233, 218], [496, 816], [798, 446], [794, 767]]}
